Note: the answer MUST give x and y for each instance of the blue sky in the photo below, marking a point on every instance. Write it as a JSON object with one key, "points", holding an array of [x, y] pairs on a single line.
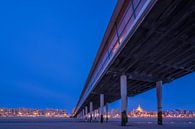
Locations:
{"points": [[46, 51]]}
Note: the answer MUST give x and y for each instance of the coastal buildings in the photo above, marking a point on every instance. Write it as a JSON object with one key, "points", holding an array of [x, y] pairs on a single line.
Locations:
{"points": [[177, 113], [29, 112], [139, 112]]}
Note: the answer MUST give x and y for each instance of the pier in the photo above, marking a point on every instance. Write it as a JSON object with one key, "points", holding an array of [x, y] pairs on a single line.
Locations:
{"points": [[147, 44]]}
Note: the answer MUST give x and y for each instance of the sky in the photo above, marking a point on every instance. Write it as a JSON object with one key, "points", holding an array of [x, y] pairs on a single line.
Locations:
{"points": [[47, 48]]}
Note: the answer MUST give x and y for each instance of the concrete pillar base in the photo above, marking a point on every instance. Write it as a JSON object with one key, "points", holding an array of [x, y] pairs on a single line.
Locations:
{"points": [[160, 118], [106, 119], [90, 118], [101, 118], [124, 118]]}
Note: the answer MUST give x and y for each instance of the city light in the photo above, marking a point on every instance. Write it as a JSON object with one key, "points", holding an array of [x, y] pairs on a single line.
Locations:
{"points": [[28, 112], [139, 112]]}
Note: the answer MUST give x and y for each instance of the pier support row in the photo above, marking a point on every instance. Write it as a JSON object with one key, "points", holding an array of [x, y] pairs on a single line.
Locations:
{"points": [[123, 83], [124, 101], [159, 101]]}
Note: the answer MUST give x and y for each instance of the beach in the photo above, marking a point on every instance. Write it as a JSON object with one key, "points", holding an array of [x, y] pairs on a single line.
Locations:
{"points": [[61, 123]]}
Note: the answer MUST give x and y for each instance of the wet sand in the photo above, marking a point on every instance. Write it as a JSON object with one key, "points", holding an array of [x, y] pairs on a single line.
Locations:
{"points": [[53, 123]]}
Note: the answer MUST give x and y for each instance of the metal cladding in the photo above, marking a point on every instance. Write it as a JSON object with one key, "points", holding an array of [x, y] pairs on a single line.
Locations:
{"points": [[156, 43]]}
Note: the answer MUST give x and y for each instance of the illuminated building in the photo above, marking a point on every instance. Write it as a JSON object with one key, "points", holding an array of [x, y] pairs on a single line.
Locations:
{"points": [[139, 109]]}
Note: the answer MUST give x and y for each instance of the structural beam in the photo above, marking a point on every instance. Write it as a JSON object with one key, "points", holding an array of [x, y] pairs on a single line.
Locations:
{"points": [[101, 108], [159, 101], [123, 83]]}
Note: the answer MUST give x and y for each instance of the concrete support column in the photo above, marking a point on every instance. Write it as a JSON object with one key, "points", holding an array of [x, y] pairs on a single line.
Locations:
{"points": [[98, 113], [91, 111], [86, 111], [106, 112], [95, 114], [83, 115], [101, 108], [159, 101], [123, 83]]}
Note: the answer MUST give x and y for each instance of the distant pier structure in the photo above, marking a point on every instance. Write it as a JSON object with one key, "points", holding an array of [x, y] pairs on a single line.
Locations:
{"points": [[147, 43]]}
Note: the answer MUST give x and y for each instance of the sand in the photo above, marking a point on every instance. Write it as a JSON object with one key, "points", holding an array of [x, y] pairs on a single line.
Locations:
{"points": [[42, 123]]}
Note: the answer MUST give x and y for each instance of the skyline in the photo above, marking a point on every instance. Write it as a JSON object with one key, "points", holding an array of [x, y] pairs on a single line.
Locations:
{"points": [[139, 112], [47, 53]]}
